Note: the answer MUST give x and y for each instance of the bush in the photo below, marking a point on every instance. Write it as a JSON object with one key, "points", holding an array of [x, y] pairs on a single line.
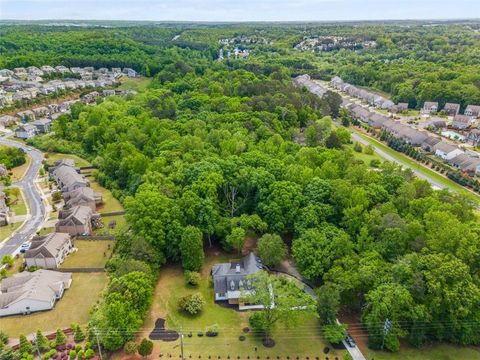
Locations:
{"points": [[81, 355], [212, 330], [375, 163], [145, 348], [130, 348], [192, 278], [200, 334], [72, 354], [347, 356], [192, 304], [357, 147], [334, 333], [60, 338], [369, 150], [89, 353]]}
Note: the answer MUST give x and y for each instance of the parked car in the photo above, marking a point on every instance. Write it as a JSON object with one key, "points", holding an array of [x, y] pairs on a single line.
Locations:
{"points": [[350, 342], [24, 247]]}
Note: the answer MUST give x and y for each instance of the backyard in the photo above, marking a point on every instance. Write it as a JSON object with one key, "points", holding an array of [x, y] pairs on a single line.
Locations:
{"points": [[302, 340], [437, 352], [90, 254], [52, 157], [74, 306]]}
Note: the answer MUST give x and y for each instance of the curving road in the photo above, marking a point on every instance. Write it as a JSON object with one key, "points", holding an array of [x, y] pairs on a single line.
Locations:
{"points": [[33, 197]]}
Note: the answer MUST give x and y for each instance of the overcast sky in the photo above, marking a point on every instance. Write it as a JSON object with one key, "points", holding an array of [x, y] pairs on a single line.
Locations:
{"points": [[238, 10]]}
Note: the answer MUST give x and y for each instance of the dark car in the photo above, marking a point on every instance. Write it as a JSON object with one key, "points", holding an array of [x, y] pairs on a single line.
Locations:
{"points": [[350, 342]]}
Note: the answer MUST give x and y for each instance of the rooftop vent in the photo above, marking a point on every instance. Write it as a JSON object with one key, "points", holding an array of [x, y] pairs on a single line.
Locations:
{"points": [[237, 268]]}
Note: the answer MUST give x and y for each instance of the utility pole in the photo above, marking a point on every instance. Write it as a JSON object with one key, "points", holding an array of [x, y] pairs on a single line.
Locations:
{"points": [[181, 345], [36, 345], [387, 325], [98, 343]]}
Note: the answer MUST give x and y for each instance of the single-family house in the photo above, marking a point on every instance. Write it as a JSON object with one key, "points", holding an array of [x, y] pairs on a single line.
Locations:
{"points": [[40, 111], [400, 107], [75, 221], [25, 131], [84, 196], [7, 120], [462, 122], [130, 72], [337, 83], [49, 251], [47, 69], [472, 111], [451, 109], [474, 137], [108, 92], [414, 137], [230, 279], [42, 125], [446, 151], [435, 123], [27, 115], [430, 107], [28, 292]]}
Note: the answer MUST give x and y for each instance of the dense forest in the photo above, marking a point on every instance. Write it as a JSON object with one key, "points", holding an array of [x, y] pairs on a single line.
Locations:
{"points": [[209, 150]]}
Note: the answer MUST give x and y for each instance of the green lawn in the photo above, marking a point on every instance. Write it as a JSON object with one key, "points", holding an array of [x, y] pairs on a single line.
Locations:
{"points": [[437, 352], [138, 84], [109, 202], [90, 253], [366, 158], [17, 204], [52, 157], [120, 224], [45, 231], [74, 306], [302, 340], [19, 172], [7, 230], [418, 167]]}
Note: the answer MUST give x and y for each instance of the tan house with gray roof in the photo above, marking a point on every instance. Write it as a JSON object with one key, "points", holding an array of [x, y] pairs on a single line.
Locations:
{"points": [[49, 252], [28, 292], [75, 221], [83, 196]]}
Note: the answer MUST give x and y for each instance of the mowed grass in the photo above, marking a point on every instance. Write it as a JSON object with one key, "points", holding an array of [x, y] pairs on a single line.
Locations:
{"points": [[420, 168], [74, 306], [18, 172], [52, 157], [120, 225], [110, 204], [435, 352], [366, 158], [89, 254], [17, 204], [302, 340], [7, 230], [138, 84]]}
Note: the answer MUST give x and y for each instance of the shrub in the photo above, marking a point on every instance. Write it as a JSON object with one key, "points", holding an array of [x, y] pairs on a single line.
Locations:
{"points": [[334, 333], [130, 348], [375, 163], [60, 338], [200, 334], [25, 347], [347, 356], [212, 330], [78, 334], [72, 354], [357, 147], [89, 353], [192, 304], [3, 338], [78, 347], [369, 150], [192, 278], [81, 355], [145, 348]]}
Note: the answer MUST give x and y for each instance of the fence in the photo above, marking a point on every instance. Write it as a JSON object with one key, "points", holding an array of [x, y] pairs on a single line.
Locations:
{"points": [[81, 270], [94, 237], [112, 213]]}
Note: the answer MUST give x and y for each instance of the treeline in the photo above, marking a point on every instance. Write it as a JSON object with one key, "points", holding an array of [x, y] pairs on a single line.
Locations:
{"points": [[214, 152]]}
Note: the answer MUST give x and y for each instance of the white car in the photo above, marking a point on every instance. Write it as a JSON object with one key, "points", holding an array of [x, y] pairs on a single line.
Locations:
{"points": [[25, 246]]}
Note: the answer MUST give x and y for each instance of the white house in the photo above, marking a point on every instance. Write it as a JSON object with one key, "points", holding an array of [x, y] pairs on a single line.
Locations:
{"points": [[446, 151], [28, 292], [25, 131]]}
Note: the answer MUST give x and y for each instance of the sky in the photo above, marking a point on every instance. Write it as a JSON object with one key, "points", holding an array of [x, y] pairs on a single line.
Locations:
{"points": [[238, 10]]}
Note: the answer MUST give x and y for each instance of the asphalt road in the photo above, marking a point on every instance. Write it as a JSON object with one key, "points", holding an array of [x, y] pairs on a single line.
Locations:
{"points": [[33, 197]]}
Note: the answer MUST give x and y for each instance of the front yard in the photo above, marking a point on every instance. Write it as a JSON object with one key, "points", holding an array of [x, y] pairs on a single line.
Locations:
{"points": [[19, 172], [302, 340], [7, 230], [90, 254], [73, 307]]}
